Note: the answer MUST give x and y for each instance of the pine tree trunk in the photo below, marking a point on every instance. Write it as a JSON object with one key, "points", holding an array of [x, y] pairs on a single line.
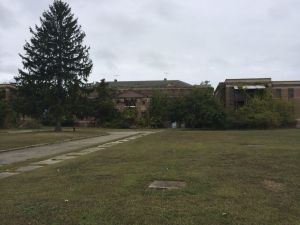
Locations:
{"points": [[58, 125]]}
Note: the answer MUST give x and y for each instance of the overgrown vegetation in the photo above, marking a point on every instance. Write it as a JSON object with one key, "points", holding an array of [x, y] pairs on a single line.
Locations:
{"points": [[8, 116], [197, 109], [262, 112]]}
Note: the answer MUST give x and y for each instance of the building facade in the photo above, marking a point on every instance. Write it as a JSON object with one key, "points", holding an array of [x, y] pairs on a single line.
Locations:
{"points": [[6, 91], [137, 94], [231, 91]]}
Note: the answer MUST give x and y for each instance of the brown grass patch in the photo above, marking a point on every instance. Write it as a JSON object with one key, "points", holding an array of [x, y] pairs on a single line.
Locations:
{"points": [[273, 186]]}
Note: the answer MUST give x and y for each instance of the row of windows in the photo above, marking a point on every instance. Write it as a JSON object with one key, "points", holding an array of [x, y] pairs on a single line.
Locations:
{"points": [[278, 93], [129, 102]]}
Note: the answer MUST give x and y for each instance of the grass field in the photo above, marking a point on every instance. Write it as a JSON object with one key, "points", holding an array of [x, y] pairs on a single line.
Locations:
{"points": [[233, 177], [14, 139]]}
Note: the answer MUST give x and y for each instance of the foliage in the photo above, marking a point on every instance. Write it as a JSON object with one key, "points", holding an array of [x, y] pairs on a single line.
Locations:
{"points": [[197, 109], [31, 124], [159, 109], [7, 115], [262, 112], [202, 110], [102, 107], [129, 117], [56, 64]]}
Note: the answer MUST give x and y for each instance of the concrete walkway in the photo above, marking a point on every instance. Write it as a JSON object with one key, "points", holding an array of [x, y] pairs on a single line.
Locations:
{"points": [[48, 150]]}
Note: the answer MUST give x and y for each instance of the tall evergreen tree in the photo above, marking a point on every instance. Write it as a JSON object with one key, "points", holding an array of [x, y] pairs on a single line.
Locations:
{"points": [[55, 64]]}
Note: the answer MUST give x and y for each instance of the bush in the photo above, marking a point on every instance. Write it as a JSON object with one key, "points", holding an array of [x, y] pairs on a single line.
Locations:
{"points": [[262, 112], [8, 117], [30, 124], [202, 110]]}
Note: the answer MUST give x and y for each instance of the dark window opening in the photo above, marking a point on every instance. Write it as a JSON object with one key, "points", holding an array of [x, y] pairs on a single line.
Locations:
{"points": [[130, 102], [291, 93], [144, 114], [278, 93]]}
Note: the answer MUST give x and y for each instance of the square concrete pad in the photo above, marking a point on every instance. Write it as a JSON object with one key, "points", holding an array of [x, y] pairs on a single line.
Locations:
{"points": [[28, 168], [7, 174], [169, 185]]}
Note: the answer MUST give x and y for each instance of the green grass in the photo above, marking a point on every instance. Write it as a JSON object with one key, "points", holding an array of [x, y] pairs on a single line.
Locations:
{"points": [[228, 182], [17, 140]]}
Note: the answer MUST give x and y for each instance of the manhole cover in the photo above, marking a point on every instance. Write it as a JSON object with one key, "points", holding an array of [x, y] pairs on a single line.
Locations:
{"points": [[169, 185]]}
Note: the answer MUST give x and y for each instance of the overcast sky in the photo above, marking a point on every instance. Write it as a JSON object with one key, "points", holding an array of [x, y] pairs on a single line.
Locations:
{"points": [[192, 40]]}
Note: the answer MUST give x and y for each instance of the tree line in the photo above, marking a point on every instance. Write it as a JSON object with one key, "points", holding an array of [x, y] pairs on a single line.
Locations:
{"points": [[197, 109]]}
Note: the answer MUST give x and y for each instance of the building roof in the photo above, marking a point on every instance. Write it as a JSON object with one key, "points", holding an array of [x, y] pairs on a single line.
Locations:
{"points": [[285, 83], [248, 80], [149, 84], [5, 85]]}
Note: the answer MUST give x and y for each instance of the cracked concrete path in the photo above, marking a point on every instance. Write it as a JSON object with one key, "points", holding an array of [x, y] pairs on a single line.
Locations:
{"points": [[48, 150]]}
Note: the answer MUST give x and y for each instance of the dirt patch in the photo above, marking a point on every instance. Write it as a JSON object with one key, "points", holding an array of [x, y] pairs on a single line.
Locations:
{"points": [[273, 186], [253, 145], [168, 185]]}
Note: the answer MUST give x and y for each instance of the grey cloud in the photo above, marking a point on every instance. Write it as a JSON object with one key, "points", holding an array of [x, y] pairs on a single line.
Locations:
{"points": [[219, 62], [109, 58], [154, 60], [193, 40], [284, 9], [6, 18]]}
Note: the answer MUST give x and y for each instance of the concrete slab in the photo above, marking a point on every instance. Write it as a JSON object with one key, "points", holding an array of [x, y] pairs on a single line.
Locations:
{"points": [[7, 174], [108, 145], [60, 148], [47, 162], [90, 150], [76, 154], [28, 168], [102, 146], [168, 185], [63, 157]]}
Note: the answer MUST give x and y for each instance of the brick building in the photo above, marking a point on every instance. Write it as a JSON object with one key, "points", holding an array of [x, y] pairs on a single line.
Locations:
{"points": [[231, 91], [6, 91], [138, 94]]}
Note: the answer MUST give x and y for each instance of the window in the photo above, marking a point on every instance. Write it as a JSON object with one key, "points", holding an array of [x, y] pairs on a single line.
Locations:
{"points": [[278, 93], [130, 103], [291, 92]]}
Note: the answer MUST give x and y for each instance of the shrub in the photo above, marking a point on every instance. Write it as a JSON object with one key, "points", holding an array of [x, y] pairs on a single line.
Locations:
{"points": [[30, 124], [262, 112], [8, 117]]}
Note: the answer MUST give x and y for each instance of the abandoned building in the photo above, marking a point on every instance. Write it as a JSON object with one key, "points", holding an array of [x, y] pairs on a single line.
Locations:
{"points": [[232, 91], [6, 91], [138, 94]]}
